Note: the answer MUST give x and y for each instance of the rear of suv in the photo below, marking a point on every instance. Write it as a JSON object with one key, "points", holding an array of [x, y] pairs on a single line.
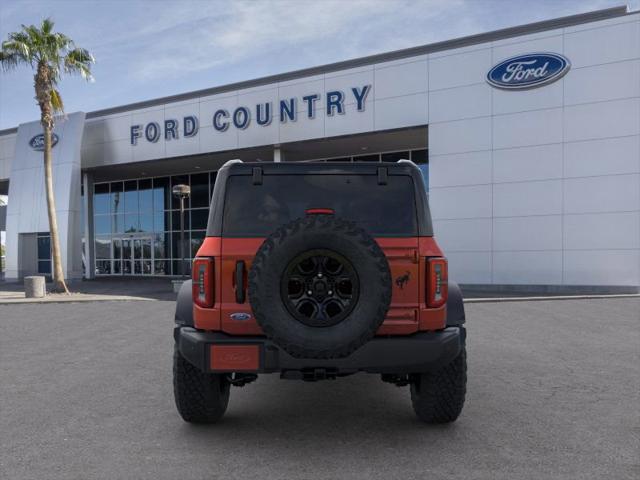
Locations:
{"points": [[317, 271]]}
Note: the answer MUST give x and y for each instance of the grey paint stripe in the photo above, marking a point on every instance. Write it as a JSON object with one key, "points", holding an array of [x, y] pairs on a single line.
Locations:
{"points": [[510, 32]]}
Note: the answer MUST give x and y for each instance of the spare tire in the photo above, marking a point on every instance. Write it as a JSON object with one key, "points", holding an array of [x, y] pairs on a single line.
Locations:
{"points": [[320, 287]]}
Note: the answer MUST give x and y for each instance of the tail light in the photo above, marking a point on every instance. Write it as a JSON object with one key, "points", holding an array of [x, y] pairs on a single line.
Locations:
{"points": [[203, 282], [437, 282]]}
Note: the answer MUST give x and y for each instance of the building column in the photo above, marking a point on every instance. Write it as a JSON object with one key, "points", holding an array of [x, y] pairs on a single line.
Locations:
{"points": [[277, 154], [87, 222]]}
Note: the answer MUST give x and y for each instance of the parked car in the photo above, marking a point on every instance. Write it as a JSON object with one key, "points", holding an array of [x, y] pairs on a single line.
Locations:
{"points": [[315, 271]]}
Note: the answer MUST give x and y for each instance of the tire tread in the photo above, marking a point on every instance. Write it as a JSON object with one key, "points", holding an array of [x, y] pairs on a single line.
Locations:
{"points": [[438, 397], [200, 397]]}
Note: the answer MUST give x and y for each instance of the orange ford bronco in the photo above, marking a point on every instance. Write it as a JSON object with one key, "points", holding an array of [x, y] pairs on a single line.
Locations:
{"points": [[316, 271]]}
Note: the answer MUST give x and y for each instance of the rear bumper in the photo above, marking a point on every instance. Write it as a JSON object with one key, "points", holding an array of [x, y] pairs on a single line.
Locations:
{"points": [[419, 352]]}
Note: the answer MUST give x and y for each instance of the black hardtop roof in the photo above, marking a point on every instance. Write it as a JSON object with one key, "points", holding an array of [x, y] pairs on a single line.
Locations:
{"points": [[257, 169], [282, 168]]}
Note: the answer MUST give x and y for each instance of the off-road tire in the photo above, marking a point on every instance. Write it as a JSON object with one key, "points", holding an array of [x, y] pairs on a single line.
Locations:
{"points": [[306, 234], [200, 397], [438, 397]]}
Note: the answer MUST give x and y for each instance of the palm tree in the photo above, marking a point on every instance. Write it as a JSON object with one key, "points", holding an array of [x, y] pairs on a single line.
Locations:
{"points": [[50, 55]]}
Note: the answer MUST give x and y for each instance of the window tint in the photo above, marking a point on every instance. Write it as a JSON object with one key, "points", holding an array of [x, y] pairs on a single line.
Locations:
{"points": [[256, 210]]}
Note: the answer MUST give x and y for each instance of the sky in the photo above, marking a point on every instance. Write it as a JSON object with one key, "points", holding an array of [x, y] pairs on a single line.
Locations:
{"points": [[150, 49]]}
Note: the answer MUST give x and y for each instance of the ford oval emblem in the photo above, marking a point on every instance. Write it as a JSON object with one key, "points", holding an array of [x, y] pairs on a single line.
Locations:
{"points": [[37, 142], [528, 71], [240, 316]]}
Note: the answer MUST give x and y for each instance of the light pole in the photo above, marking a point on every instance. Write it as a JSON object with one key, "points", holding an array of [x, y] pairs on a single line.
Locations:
{"points": [[182, 192]]}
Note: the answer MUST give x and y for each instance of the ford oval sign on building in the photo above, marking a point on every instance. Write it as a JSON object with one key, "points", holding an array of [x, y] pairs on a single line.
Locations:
{"points": [[37, 142], [528, 71]]}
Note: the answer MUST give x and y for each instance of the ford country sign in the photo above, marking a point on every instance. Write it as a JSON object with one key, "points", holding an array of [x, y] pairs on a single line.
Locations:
{"points": [[528, 71], [37, 142]]}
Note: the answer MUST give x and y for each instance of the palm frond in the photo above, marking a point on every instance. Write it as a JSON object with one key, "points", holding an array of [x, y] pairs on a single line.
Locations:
{"points": [[19, 47], [9, 61], [56, 101], [79, 61], [63, 42], [47, 26]]}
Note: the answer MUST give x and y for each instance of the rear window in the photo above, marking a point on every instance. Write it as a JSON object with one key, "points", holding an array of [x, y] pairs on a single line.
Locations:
{"points": [[256, 210]]}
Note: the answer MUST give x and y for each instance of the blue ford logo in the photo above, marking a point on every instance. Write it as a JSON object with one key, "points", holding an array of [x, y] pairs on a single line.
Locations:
{"points": [[37, 142], [528, 71], [240, 316]]}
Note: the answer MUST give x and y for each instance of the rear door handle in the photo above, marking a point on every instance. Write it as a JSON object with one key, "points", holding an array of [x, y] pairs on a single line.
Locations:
{"points": [[240, 297]]}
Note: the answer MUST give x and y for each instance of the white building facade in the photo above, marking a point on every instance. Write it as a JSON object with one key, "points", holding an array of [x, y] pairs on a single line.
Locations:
{"points": [[534, 182]]}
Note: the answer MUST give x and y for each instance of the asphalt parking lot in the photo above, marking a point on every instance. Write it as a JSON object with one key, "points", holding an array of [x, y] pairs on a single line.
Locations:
{"points": [[85, 392]]}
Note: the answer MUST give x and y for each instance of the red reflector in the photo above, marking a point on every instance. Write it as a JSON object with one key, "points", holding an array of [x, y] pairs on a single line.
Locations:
{"points": [[235, 358], [202, 282], [437, 282], [320, 211]]}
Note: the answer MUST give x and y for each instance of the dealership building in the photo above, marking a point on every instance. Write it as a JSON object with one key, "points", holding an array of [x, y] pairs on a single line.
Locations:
{"points": [[528, 138]]}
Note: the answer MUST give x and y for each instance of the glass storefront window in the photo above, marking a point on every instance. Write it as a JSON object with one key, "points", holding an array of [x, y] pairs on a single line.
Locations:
{"points": [[200, 190], [161, 194], [131, 203], [162, 267], [102, 224], [116, 197], [117, 223], [44, 247], [146, 222], [103, 247], [161, 222], [199, 218], [187, 267], [175, 245], [395, 156], [117, 248], [367, 158], [44, 266], [101, 199], [175, 220], [44, 253], [160, 245], [419, 156], [131, 223], [103, 267], [145, 195]]}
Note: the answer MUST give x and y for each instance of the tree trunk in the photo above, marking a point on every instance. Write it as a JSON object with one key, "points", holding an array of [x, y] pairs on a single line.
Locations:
{"points": [[43, 85], [59, 284]]}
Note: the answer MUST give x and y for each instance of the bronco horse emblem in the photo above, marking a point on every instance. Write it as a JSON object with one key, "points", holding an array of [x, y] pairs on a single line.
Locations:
{"points": [[402, 280]]}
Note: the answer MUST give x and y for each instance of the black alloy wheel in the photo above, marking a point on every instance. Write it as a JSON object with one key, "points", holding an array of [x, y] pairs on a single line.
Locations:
{"points": [[320, 288]]}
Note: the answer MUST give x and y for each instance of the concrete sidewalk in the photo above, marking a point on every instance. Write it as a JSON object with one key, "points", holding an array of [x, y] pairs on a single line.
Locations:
{"points": [[104, 289]]}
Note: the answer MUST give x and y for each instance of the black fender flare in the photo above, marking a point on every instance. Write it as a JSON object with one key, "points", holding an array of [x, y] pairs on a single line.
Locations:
{"points": [[455, 306], [184, 305]]}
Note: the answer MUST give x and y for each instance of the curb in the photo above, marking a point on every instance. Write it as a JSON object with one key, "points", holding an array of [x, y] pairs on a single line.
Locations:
{"points": [[548, 298], [45, 300]]}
